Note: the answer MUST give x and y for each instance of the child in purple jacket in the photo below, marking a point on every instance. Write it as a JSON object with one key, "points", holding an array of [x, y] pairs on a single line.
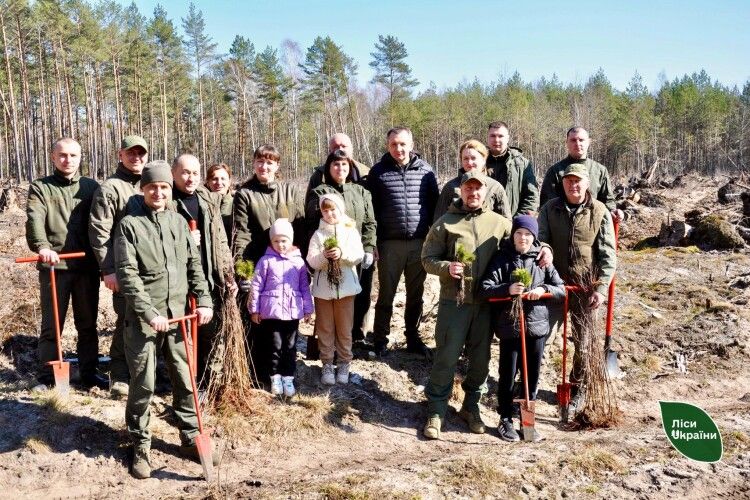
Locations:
{"points": [[279, 298]]}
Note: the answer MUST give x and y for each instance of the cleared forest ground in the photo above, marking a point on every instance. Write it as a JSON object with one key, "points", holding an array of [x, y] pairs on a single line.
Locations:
{"points": [[363, 440]]}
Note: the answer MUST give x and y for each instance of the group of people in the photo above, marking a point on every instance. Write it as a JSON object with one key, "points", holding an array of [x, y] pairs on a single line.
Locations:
{"points": [[155, 234]]}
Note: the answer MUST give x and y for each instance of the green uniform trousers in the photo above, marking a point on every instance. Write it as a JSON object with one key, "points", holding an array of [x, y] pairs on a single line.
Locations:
{"points": [[118, 365], [141, 347], [82, 288], [397, 257], [456, 327]]}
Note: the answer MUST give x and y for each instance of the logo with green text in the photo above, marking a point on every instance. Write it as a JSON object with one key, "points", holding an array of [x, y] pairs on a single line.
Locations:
{"points": [[691, 431]]}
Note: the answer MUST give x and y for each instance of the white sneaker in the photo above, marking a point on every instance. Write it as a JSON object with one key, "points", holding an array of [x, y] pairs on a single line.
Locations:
{"points": [[328, 378], [276, 387], [288, 386], [342, 376]]}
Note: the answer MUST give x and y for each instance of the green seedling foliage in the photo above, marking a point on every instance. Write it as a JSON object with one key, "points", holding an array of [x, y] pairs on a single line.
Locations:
{"points": [[330, 242], [521, 275], [244, 269], [464, 256]]}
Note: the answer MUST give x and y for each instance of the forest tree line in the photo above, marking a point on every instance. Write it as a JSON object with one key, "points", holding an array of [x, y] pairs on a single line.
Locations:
{"points": [[97, 71]]}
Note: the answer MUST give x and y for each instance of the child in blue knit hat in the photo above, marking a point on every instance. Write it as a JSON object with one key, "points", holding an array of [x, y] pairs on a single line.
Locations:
{"points": [[520, 252]]}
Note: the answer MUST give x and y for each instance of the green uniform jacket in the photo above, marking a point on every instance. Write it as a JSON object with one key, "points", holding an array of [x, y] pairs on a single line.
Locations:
{"points": [[496, 199], [358, 202], [227, 205], [217, 261], [600, 186], [57, 218], [521, 188], [256, 208], [107, 209], [157, 263], [580, 239], [479, 231]]}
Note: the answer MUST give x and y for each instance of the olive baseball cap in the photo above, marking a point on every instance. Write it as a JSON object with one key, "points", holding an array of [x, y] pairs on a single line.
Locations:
{"points": [[578, 170], [474, 175], [131, 141]]}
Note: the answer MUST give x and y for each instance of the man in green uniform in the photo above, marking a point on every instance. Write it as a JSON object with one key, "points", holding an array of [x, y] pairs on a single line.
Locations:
{"points": [[479, 230], [157, 265], [581, 233], [196, 203], [57, 217], [577, 142], [107, 209], [509, 167]]}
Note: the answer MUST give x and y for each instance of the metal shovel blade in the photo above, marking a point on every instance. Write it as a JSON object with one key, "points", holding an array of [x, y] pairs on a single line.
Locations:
{"points": [[613, 365], [61, 371], [527, 420], [205, 452], [563, 399], [611, 360]]}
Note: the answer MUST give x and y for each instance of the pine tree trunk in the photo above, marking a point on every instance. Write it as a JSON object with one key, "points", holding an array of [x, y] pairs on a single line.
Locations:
{"points": [[11, 104], [164, 117], [46, 126]]}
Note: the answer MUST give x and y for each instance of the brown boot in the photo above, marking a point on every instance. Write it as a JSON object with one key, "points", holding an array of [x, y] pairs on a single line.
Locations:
{"points": [[141, 467]]}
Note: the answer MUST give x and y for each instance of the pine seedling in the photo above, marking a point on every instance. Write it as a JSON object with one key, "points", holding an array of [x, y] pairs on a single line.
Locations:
{"points": [[244, 269], [521, 275], [334, 274], [466, 258]]}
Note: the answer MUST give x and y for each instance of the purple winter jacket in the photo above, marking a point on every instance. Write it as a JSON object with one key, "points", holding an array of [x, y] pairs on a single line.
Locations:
{"points": [[281, 286]]}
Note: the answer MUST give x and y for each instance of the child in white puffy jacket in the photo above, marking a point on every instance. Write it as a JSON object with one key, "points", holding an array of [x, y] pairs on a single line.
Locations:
{"points": [[334, 292]]}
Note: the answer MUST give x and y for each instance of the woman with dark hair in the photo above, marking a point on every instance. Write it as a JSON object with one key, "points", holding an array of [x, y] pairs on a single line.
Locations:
{"points": [[257, 204], [338, 178], [219, 180]]}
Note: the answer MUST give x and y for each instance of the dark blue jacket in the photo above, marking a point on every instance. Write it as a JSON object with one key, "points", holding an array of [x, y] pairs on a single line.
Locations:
{"points": [[404, 199], [496, 283]]}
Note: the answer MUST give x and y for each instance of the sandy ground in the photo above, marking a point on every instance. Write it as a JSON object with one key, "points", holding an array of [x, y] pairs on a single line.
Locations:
{"points": [[362, 440]]}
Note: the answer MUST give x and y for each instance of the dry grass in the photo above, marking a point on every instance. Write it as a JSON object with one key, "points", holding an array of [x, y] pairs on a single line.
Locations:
{"points": [[651, 363], [358, 487], [594, 463], [303, 415], [480, 477], [37, 445], [457, 395], [736, 442]]}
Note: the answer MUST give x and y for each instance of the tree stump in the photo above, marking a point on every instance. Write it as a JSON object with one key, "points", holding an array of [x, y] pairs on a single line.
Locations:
{"points": [[8, 199], [674, 233]]}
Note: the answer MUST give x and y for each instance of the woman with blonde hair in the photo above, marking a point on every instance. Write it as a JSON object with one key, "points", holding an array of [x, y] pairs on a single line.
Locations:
{"points": [[473, 157]]}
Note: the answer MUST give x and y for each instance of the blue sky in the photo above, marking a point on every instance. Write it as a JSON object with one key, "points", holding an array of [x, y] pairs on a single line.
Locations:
{"points": [[454, 41]]}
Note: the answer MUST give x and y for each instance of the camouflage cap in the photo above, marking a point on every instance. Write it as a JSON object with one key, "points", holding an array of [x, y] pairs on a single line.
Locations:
{"points": [[578, 170], [131, 141], [474, 175], [156, 171]]}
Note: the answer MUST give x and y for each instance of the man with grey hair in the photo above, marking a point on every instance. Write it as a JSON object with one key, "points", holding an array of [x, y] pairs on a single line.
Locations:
{"points": [[202, 210], [343, 142], [359, 171]]}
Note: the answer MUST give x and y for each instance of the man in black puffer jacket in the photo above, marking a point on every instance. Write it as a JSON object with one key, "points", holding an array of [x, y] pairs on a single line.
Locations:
{"points": [[520, 253], [404, 194]]}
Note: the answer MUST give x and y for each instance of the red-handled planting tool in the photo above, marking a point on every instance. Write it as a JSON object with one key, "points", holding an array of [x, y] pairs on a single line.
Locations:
{"points": [[202, 440], [610, 356], [528, 418], [193, 225], [60, 368], [563, 389]]}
